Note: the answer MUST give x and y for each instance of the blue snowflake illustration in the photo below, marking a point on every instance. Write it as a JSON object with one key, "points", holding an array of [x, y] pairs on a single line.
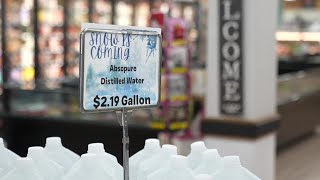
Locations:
{"points": [[151, 45]]}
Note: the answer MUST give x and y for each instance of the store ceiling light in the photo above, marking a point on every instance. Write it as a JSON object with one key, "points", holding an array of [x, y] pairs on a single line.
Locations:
{"points": [[298, 36], [288, 36]]}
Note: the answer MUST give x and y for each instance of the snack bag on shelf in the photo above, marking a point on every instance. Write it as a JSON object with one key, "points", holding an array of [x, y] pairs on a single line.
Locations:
{"points": [[178, 115], [157, 19], [178, 59], [178, 86], [163, 89], [177, 32]]}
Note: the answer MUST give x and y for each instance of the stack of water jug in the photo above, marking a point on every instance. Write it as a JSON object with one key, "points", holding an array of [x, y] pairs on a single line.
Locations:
{"points": [[55, 162]]}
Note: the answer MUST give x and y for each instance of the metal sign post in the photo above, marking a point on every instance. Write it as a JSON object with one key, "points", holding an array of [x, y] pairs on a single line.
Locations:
{"points": [[123, 118]]}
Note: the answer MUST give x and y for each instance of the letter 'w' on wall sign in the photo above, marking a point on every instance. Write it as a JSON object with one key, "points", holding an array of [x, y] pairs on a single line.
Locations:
{"points": [[231, 57], [120, 67]]}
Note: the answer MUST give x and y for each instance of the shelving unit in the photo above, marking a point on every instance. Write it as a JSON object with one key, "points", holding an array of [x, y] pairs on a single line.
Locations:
{"points": [[175, 79]]}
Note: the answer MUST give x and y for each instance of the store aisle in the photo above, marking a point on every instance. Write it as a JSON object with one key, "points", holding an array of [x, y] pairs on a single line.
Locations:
{"points": [[301, 161]]}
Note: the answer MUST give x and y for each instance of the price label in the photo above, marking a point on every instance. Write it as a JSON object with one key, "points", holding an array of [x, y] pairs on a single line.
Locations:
{"points": [[115, 101], [120, 67]]}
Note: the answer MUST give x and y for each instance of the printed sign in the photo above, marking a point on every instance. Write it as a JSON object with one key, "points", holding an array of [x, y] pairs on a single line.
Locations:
{"points": [[120, 67], [231, 57]]}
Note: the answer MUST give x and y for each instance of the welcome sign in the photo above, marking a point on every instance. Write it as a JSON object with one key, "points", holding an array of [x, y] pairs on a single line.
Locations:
{"points": [[120, 67], [231, 57]]}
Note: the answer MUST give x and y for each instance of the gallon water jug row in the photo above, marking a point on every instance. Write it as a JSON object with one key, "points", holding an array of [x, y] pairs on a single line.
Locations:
{"points": [[153, 162], [162, 163], [55, 162]]}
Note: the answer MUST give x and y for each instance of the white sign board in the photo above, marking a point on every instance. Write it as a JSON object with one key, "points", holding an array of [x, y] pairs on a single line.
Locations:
{"points": [[119, 67]]}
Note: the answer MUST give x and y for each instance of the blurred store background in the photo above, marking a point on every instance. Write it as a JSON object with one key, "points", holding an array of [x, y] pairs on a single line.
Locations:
{"points": [[39, 64]]}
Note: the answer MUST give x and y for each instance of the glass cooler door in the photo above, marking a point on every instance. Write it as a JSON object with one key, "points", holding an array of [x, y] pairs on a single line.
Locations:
{"points": [[102, 11], [142, 13], [78, 13], [20, 43], [124, 13], [50, 34]]}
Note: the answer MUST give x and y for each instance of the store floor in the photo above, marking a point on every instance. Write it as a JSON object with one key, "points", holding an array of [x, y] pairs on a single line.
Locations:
{"points": [[301, 161]]}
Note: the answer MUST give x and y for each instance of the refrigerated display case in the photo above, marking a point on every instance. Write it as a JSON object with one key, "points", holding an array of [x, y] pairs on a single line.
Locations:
{"points": [[50, 41], [102, 11], [78, 13], [142, 13], [50, 29], [20, 43], [43, 41], [124, 13]]}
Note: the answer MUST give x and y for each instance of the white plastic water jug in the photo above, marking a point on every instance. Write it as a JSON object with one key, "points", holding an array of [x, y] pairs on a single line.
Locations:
{"points": [[160, 160], [98, 148], [58, 153], [211, 162], [24, 170], [203, 177], [90, 167], [48, 169], [7, 159], [177, 169], [232, 169], [195, 156], [1, 172], [109, 160], [151, 148]]}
